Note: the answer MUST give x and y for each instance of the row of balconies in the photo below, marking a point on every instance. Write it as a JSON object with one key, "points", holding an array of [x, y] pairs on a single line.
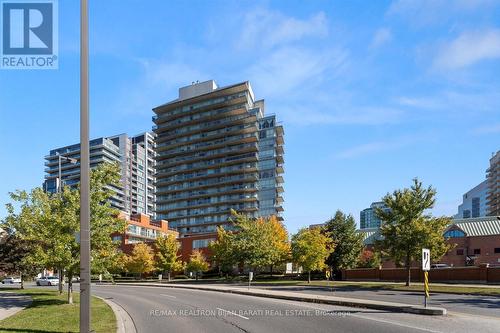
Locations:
{"points": [[207, 126], [199, 107], [208, 145], [207, 173], [209, 164], [207, 183], [171, 207], [207, 135], [212, 114]]}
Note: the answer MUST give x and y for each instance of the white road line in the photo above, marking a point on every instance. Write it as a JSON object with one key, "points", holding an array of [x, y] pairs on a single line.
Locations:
{"points": [[395, 323], [233, 313], [168, 295]]}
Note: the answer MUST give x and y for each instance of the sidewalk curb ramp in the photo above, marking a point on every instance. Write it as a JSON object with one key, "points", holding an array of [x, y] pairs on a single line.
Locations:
{"points": [[323, 299]]}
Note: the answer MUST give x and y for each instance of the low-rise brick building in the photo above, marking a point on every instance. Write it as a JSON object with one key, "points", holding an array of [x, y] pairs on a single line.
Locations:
{"points": [[141, 229], [476, 241]]}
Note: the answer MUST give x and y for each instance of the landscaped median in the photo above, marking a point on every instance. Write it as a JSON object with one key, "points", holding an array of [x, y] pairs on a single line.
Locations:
{"points": [[311, 298], [50, 311], [486, 290]]}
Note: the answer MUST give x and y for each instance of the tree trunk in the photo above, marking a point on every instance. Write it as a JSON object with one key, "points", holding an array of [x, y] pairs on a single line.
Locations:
{"points": [[70, 290], [60, 287], [168, 276], [196, 276], [22, 280], [408, 270], [309, 277], [271, 270]]}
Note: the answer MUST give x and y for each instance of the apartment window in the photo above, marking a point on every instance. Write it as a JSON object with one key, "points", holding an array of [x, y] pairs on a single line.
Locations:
{"points": [[117, 238], [460, 252], [202, 243], [497, 249], [477, 251]]}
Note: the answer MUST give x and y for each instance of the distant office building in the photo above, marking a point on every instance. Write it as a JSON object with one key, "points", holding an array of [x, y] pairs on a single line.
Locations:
{"points": [[493, 178], [216, 151], [135, 155], [368, 219], [474, 202]]}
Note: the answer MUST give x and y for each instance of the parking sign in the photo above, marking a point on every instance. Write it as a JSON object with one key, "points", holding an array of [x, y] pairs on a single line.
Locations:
{"points": [[426, 259]]}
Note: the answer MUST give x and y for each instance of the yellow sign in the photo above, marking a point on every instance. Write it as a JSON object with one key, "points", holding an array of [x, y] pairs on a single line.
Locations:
{"points": [[327, 274]]}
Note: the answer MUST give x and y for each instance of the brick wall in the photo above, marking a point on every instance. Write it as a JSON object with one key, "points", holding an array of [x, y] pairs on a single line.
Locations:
{"points": [[455, 274]]}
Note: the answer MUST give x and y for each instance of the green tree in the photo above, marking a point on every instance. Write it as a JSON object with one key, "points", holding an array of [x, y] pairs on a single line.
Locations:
{"points": [[310, 249], [259, 242], [406, 227], [141, 260], [223, 251], [16, 258], [197, 263], [167, 258], [52, 223], [348, 243]]}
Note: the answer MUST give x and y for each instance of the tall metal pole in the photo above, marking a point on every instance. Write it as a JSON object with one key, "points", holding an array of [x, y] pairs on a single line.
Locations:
{"points": [[59, 177], [58, 184], [84, 173]]}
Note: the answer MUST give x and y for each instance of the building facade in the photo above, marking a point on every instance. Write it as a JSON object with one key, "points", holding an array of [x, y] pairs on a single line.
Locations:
{"points": [[135, 155], [493, 178], [474, 202], [216, 151], [141, 229], [367, 217], [474, 241]]}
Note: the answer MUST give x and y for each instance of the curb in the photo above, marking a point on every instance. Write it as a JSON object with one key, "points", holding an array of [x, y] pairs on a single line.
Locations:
{"points": [[369, 304], [124, 323]]}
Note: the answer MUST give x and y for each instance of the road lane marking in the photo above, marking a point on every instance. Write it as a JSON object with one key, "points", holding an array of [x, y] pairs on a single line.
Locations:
{"points": [[233, 313], [168, 295], [395, 323]]}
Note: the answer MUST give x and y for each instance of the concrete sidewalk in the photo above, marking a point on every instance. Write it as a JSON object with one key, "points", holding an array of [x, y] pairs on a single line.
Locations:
{"points": [[11, 303], [311, 298]]}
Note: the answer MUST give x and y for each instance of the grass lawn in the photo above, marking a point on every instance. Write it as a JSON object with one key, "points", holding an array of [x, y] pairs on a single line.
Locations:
{"points": [[473, 290], [50, 312]]}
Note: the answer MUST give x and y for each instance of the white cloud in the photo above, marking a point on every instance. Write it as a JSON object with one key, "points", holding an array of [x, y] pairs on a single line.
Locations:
{"points": [[485, 100], [469, 48], [265, 28], [425, 12], [368, 148], [381, 36], [292, 68], [382, 146], [488, 129], [334, 115], [157, 84]]}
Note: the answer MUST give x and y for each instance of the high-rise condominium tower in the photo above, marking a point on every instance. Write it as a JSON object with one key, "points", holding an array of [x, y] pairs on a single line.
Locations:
{"points": [[135, 155], [216, 151], [493, 178]]}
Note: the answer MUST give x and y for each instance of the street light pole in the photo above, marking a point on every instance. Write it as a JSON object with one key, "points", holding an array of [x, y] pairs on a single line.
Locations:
{"points": [[84, 173]]}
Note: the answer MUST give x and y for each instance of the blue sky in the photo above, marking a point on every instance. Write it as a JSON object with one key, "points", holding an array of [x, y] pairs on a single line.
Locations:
{"points": [[371, 93]]}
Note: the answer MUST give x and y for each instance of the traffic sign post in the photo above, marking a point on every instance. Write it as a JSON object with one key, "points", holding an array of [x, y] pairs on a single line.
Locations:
{"points": [[426, 266], [327, 274], [250, 278]]}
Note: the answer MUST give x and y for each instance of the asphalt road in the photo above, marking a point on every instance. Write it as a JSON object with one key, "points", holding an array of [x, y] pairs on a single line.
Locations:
{"points": [[156, 309], [467, 304]]}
